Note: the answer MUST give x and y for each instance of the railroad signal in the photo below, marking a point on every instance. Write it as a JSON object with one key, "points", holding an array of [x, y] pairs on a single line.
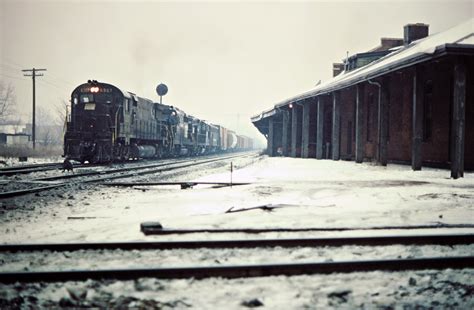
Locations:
{"points": [[161, 90]]}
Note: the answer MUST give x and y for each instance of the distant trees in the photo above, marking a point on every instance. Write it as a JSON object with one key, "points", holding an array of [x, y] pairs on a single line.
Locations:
{"points": [[62, 113], [48, 132], [7, 100]]}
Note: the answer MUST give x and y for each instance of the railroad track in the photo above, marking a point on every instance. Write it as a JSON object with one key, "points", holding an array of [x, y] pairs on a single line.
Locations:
{"points": [[112, 174], [150, 228], [16, 170], [442, 239], [242, 271], [20, 167], [8, 171]]}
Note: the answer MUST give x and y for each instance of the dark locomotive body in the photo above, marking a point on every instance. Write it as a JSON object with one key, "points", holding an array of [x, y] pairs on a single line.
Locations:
{"points": [[108, 124]]}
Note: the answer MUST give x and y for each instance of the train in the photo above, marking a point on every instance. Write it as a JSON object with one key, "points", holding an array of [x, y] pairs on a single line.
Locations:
{"points": [[107, 124]]}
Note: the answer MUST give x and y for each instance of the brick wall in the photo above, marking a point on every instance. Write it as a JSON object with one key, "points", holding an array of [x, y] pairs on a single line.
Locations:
{"points": [[370, 120], [313, 110], [327, 135], [436, 147], [400, 118], [347, 147], [469, 134]]}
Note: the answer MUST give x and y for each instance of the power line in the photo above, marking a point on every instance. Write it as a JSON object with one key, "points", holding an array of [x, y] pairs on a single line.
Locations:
{"points": [[8, 67], [60, 79], [13, 77], [50, 84], [33, 76], [13, 63]]}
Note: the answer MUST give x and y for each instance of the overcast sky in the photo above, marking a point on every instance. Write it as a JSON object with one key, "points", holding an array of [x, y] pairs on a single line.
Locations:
{"points": [[222, 61]]}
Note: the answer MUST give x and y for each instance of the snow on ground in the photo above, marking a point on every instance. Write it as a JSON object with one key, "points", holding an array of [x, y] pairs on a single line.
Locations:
{"points": [[309, 193]]}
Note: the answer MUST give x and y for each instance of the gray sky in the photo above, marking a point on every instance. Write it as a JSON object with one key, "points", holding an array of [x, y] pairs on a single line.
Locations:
{"points": [[222, 61]]}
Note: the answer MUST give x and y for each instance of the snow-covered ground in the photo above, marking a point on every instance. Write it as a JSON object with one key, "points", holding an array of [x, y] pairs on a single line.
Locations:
{"points": [[308, 193], [311, 193]]}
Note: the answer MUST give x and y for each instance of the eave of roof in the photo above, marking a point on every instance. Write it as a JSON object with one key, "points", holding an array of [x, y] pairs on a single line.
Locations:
{"points": [[452, 41]]}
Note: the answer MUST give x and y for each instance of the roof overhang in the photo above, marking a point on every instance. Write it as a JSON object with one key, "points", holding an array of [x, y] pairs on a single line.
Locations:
{"points": [[420, 51], [364, 74]]}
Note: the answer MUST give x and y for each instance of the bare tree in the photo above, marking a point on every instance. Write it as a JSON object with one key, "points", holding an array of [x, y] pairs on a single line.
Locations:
{"points": [[62, 113], [7, 100], [17, 124], [48, 133]]}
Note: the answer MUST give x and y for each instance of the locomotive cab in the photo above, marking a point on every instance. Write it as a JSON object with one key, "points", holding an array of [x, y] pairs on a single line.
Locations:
{"points": [[90, 132]]}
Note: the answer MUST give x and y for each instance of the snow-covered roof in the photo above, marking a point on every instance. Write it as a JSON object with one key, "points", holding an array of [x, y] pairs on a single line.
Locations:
{"points": [[264, 114], [421, 50]]}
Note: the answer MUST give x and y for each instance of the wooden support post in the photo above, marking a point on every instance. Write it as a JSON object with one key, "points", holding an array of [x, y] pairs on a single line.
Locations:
{"points": [[417, 117], [359, 137], [285, 133], [270, 138], [383, 119], [294, 129], [305, 131], [319, 130], [458, 120], [336, 125]]}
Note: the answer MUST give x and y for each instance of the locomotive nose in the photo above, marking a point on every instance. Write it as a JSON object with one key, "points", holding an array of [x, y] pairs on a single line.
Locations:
{"points": [[90, 124]]}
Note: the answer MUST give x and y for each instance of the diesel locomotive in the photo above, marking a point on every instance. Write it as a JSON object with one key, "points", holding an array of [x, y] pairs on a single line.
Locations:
{"points": [[109, 124]]}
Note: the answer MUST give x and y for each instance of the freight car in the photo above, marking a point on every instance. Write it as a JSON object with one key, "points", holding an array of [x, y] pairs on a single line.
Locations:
{"points": [[108, 124]]}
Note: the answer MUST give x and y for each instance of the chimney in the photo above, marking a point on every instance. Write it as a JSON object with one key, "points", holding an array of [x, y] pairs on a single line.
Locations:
{"points": [[412, 32], [388, 43], [337, 68]]}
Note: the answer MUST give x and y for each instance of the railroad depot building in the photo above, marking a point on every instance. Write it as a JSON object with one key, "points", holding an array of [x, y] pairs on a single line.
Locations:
{"points": [[407, 101]]}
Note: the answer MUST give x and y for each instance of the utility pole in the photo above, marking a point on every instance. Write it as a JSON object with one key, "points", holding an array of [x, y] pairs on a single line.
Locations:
{"points": [[33, 75]]}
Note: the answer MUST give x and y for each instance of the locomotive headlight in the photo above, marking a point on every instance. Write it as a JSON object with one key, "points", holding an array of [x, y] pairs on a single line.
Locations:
{"points": [[94, 89]]}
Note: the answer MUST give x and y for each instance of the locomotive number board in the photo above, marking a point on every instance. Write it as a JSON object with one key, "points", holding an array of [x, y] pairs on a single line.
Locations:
{"points": [[96, 90]]}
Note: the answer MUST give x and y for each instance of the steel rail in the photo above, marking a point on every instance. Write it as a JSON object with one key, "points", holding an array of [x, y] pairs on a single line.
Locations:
{"points": [[102, 172], [242, 271], [39, 168], [172, 165], [23, 167], [149, 230], [447, 239], [190, 183], [151, 166], [21, 192]]}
